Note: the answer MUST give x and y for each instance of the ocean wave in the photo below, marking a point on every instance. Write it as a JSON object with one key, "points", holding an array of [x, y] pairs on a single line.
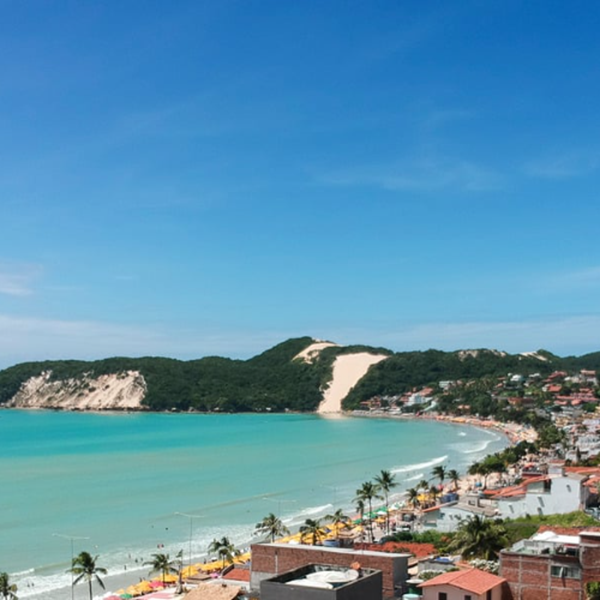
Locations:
{"points": [[419, 466], [417, 477], [479, 448], [23, 573], [462, 434], [35, 585], [300, 516]]}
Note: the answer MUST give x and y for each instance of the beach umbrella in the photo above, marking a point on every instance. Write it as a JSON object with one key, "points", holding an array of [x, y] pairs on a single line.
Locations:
{"points": [[189, 571], [143, 587], [156, 584], [126, 596], [170, 578]]}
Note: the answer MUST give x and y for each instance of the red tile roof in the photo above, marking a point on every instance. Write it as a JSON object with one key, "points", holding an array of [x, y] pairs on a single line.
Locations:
{"points": [[583, 470], [472, 580], [238, 575], [516, 490], [417, 549]]}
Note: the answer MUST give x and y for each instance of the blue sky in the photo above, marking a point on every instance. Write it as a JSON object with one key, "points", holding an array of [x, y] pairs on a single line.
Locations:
{"points": [[193, 178]]}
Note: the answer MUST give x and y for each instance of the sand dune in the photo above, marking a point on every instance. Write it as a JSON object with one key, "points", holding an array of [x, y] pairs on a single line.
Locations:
{"points": [[348, 369], [309, 354]]}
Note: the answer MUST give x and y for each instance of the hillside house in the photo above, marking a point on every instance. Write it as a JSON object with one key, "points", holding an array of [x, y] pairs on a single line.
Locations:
{"points": [[447, 517], [553, 493], [471, 584]]}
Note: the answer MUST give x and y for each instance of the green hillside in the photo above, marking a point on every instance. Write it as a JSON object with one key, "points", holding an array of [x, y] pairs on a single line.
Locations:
{"points": [[275, 381]]}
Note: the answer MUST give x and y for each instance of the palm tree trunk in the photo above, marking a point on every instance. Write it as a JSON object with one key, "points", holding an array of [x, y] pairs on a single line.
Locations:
{"points": [[90, 586]]}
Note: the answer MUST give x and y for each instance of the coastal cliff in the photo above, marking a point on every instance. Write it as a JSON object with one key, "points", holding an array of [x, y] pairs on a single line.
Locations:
{"points": [[122, 391]]}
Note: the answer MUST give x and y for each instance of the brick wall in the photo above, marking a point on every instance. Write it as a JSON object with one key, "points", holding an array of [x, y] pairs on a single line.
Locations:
{"points": [[272, 559], [589, 551], [529, 578]]}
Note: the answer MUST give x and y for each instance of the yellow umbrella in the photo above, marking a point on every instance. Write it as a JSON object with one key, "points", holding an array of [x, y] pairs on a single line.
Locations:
{"points": [[169, 578], [189, 571], [132, 590], [144, 587]]}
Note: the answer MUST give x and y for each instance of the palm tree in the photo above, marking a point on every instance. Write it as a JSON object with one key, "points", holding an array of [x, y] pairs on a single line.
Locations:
{"points": [[8, 590], [454, 477], [434, 492], [413, 497], [479, 538], [386, 482], [161, 563], [360, 508], [272, 526], [225, 549], [338, 519], [423, 485], [312, 529], [84, 567], [439, 472], [369, 492]]}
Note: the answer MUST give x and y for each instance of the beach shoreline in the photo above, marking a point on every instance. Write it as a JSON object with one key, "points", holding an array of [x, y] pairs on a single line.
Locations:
{"points": [[133, 574], [513, 431]]}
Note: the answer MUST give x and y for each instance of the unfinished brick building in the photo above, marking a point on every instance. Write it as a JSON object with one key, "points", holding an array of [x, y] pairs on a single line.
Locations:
{"points": [[554, 564]]}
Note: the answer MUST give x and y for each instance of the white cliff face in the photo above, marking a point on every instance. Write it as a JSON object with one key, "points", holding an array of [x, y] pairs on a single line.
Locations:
{"points": [[121, 391]]}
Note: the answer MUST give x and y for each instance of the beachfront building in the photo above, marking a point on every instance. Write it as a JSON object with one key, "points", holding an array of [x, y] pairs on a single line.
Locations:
{"points": [[271, 560], [323, 582], [554, 493], [554, 564], [447, 517], [470, 584]]}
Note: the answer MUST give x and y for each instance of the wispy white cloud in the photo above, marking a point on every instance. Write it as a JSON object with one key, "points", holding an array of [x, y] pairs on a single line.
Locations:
{"points": [[561, 335], [423, 175], [31, 338], [572, 281], [17, 279], [25, 339], [564, 165]]}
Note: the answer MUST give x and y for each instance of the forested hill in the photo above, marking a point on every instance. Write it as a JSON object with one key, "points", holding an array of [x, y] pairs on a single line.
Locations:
{"points": [[275, 380]]}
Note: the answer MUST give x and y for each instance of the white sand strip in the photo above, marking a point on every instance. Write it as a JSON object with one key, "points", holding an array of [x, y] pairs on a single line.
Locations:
{"points": [[348, 369]]}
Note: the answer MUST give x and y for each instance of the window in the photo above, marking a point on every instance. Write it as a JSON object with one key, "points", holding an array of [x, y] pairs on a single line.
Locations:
{"points": [[567, 572], [442, 596], [468, 597], [488, 595]]}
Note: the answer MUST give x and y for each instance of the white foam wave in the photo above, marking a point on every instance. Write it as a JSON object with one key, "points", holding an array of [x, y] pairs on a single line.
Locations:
{"points": [[462, 433], [302, 515], [417, 477], [479, 448], [23, 573], [420, 466], [35, 585]]}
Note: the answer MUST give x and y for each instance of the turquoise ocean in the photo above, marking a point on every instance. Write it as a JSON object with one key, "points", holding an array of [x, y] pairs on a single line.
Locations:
{"points": [[119, 480]]}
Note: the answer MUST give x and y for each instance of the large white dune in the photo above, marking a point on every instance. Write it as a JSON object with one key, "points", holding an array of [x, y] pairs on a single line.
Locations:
{"points": [[348, 370]]}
